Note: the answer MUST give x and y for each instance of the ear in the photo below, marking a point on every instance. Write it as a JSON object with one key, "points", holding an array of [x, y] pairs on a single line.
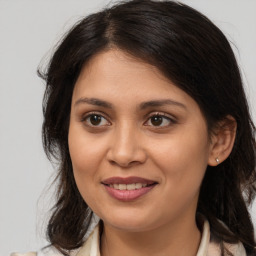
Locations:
{"points": [[222, 141]]}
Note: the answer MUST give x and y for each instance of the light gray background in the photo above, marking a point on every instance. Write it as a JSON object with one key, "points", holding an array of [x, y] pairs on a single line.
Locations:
{"points": [[28, 31]]}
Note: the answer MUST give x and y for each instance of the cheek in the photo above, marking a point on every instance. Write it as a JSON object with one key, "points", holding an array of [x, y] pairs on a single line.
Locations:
{"points": [[183, 160], [85, 149], [86, 154]]}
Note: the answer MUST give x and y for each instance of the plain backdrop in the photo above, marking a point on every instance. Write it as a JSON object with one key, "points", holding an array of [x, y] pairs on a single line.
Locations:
{"points": [[29, 29]]}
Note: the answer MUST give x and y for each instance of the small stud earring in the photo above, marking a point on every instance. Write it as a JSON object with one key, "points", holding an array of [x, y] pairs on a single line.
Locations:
{"points": [[217, 160]]}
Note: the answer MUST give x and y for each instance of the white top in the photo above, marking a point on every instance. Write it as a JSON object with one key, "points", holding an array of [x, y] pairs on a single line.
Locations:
{"points": [[91, 246]]}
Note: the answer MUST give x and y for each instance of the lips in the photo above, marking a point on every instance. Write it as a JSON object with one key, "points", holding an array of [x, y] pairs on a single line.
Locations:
{"points": [[128, 189]]}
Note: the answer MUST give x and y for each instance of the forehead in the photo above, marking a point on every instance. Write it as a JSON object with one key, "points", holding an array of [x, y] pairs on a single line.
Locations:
{"points": [[119, 67], [116, 73]]}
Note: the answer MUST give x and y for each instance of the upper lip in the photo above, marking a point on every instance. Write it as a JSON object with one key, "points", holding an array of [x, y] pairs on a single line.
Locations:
{"points": [[127, 180]]}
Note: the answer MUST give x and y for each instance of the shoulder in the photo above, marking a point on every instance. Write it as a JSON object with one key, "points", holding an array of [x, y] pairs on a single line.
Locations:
{"points": [[236, 249], [24, 254], [49, 251], [210, 247]]}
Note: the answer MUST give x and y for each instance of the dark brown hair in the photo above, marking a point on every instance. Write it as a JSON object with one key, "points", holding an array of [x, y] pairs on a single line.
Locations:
{"points": [[194, 54]]}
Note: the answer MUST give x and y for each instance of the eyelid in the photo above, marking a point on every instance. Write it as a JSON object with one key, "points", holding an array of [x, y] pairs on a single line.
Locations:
{"points": [[98, 113], [156, 113], [162, 114]]}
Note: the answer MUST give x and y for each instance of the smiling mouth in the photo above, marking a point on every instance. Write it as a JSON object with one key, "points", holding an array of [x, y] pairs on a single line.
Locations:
{"points": [[131, 186], [128, 189]]}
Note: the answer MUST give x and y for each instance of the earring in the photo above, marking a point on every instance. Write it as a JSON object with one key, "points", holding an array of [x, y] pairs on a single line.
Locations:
{"points": [[217, 160]]}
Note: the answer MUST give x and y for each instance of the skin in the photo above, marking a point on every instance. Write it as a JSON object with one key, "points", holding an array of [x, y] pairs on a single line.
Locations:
{"points": [[126, 143]]}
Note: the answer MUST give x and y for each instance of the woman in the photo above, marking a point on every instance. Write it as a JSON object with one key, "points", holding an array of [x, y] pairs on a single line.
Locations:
{"points": [[145, 110]]}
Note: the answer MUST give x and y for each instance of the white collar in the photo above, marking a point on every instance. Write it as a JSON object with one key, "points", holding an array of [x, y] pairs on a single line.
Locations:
{"points": [[206, 248], [91, 246]]}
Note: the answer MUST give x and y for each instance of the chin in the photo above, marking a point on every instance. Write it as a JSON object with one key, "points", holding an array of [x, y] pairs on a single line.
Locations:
{"points": [[129, 227], [129, 222]]}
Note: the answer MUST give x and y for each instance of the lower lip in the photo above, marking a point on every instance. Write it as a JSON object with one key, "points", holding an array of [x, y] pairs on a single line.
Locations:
{"points": [[128, 195]]}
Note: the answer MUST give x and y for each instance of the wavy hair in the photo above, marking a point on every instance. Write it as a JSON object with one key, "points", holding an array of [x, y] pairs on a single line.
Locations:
{"points": [[194, 54]]}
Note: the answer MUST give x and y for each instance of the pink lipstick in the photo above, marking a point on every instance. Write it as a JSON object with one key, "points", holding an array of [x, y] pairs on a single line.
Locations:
{"points": [[128, 189]]}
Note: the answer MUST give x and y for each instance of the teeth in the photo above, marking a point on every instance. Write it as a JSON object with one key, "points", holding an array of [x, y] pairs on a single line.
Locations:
{"points": [[122, 187], [116, 186], [138, 185], [132, 186]]}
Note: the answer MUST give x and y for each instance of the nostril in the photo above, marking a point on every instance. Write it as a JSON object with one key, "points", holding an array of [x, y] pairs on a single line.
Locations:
{"points": [[124, 164], [112, 162]]}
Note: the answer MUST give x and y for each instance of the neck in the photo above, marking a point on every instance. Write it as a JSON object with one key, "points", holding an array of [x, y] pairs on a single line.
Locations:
{"points": [[178, 238]]}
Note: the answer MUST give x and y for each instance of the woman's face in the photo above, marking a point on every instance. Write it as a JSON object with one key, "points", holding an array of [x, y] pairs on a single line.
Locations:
{"points": [[139, 145]]}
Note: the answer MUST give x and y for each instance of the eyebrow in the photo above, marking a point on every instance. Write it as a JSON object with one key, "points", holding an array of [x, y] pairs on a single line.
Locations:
{"points": [[159, 103], [143, 105], [94, 101]]}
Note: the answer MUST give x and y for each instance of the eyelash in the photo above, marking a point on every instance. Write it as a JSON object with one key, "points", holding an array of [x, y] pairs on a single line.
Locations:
{"points": [[171, 120], [91, 114]]}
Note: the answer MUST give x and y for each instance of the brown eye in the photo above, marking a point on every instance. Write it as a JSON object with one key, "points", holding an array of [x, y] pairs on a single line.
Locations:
{"points": [[156, 120], [96, 120], [159, 120]]}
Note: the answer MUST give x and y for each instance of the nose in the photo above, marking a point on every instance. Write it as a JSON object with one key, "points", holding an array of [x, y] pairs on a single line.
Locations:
{"points": [[126, 148]]}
